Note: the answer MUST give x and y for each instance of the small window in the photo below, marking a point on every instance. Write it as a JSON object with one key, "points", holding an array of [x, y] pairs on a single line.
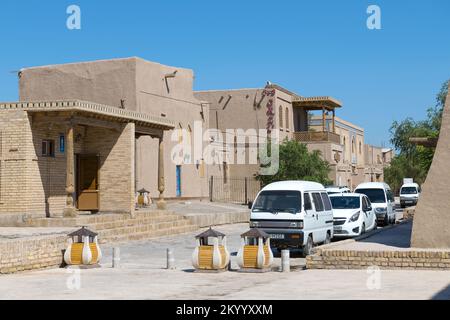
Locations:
{"points": [[326, 201], [317, 202], [307, 201], [48, 148], [281, 117], [287, 119]]}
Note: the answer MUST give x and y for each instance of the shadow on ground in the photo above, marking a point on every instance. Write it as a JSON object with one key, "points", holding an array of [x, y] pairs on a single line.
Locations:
{"points": [[443, 295], [398, 236]]}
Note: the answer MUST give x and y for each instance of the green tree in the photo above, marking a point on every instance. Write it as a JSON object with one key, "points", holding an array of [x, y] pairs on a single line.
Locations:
{"points": [[415, 161], [297, 163]]}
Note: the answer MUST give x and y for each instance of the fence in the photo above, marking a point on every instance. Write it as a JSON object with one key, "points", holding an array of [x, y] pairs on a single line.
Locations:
{"points": [[234, 190]]}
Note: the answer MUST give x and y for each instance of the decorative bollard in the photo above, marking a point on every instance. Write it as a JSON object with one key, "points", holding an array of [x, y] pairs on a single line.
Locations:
{"points": [[285, 261], [170, 260], [211, 253], [116, 257], [255, 254], [83, 248]]}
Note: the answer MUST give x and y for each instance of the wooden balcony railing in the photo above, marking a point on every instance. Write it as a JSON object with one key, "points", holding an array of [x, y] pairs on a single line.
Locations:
{"points": [[317, 136]]}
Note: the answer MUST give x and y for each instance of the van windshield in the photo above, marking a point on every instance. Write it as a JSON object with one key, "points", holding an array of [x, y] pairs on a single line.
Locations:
{"points": [[345, 202], [375, 195], [278, 201], [408, 190]]}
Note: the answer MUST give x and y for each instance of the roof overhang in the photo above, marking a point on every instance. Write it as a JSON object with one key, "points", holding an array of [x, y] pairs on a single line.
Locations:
{"points": [[91, 109], [316, 103]]}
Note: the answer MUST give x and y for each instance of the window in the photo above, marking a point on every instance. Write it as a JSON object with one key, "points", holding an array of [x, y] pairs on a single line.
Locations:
{"points": [[308, 204], [360, 147], [287, 119], [278, 201], [48, 148], [317, 202], [345, 202], [374, 195], [326, 201], [281, 117]]}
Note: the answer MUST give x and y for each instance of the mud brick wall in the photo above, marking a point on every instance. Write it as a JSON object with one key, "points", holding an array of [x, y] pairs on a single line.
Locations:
{"points": [[31, 253], [348, 259]]}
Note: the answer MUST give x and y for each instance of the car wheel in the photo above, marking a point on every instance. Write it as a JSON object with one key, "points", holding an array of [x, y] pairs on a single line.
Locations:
{"points": [[327, 239], [307, 248]]}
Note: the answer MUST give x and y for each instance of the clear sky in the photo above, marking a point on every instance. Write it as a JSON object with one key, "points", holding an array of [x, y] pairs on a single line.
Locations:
{"points": [[311, 47]]}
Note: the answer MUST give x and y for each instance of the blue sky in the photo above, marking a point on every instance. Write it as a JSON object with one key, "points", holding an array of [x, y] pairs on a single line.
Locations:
{"points": [[311, 47]]}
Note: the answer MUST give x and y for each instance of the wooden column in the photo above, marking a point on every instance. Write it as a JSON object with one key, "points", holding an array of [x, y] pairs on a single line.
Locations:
{"points": [[161, 203], [323, 119], [334, 121], [69, 210]]}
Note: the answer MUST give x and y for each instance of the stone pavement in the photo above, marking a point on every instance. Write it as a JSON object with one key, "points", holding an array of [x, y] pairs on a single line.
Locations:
{"points": [[142, 276]]}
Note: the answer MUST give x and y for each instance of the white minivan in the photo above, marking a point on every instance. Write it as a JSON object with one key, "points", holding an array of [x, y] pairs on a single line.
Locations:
{"points": [[382, 200], [296, 214], [409, 194]]}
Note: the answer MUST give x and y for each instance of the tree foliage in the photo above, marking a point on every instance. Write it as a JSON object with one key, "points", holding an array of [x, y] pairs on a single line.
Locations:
{"points": [[414, 161], [297, 163]]}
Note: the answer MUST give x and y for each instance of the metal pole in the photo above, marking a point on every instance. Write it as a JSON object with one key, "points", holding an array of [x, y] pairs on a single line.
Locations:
{"points": [[211, 189], [285, 261], [116, 257], [246, 191], [170, 260]]}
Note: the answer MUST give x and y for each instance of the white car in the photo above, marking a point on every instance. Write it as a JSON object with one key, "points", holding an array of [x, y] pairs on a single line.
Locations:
{"points": [[337, 190], [296, 214], [353, 214], [382, 200], [409, 194]]}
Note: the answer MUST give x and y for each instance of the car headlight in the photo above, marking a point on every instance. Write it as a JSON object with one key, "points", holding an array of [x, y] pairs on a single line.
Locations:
{"points": [[380, 210], [254, 224], [298, 224], [354, 217]]}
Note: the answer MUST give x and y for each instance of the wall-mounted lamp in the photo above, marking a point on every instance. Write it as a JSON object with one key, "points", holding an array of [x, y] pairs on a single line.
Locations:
{"points": [[171, 75]]}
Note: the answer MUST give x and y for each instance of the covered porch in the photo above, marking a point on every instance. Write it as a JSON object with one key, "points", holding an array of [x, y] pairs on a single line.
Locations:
{"points": [[302, 106], [85, 156]]}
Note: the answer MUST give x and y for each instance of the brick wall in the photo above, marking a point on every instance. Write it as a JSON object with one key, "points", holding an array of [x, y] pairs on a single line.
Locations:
{"points": [[348, 259], [31, 253]]}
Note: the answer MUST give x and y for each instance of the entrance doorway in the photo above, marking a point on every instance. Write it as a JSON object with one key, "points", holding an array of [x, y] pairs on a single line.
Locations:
{"points": [[87, 182], [178, 175]]}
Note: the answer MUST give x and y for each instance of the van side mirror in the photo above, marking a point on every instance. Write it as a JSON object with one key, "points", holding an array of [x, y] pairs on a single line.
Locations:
{"points": [[369, 208], [250, 204]]}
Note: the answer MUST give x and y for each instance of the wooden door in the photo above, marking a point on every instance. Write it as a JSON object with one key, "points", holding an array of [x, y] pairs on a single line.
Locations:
{"points": [[87, 182]]}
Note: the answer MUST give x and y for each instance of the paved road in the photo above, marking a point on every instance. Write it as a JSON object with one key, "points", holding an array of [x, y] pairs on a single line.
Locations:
{"points": [[143, 276]]}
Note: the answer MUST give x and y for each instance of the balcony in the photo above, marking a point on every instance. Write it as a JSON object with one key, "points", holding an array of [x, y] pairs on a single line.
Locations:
{"points": [[317, 136]]}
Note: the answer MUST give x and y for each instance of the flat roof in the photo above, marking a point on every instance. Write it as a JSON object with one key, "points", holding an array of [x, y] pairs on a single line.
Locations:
{"points": [[316, 103], [91, 108]]}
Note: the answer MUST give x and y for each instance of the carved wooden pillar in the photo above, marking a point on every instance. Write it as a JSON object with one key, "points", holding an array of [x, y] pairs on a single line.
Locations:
{"points": [[69, 210], [161, 203], [334, 121], [323, 119]]}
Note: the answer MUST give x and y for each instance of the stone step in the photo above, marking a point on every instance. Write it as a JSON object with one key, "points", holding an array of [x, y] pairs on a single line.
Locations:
{"points": [[133, 222], [147, 235], [92, 219], [142, 228]]}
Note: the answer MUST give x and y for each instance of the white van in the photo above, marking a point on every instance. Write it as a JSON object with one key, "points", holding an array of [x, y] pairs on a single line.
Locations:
{"points": [[382, 200], [409, 194], [296, 214]]}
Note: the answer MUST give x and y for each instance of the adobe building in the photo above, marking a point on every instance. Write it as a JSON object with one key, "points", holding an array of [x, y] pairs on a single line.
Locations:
{"points": [[340, 142], [86, 136]]}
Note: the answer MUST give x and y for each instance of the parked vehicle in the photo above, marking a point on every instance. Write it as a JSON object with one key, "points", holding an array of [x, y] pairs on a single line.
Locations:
{"points": [[409, 194], [382, 200], [337, 190], [353, 214], [296, 214]]}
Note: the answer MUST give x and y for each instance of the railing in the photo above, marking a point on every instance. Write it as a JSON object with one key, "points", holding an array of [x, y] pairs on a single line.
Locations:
{"points": [[233, 190], [317, 136]]}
